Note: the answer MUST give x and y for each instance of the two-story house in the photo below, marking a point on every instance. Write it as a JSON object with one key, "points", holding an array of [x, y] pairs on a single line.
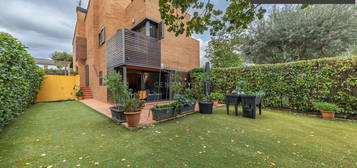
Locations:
{"points": [[129, 37]]}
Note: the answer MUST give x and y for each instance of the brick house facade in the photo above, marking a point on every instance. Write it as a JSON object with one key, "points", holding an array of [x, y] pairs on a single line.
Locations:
{"points": [[129, 37]]}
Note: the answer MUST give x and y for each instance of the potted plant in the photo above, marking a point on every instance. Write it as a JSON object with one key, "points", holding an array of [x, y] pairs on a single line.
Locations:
{"points": [[119, 92], [132, 108], [79, 95], [327, 109], [216, 97], [161, 112]]}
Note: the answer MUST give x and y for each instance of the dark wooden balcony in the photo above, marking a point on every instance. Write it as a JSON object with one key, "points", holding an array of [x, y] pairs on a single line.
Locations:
{"points": [[132, 48]]}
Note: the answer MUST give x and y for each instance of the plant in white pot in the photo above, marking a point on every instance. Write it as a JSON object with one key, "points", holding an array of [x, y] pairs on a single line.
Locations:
{"points": [[119, 93], [327, 109]]}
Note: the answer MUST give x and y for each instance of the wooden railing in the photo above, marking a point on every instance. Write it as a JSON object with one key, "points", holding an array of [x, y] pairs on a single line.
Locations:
{"points": [[141, 49]]}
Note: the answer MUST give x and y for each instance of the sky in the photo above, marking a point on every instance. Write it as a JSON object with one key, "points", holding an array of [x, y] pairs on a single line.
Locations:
{"points": [[45, 26]]}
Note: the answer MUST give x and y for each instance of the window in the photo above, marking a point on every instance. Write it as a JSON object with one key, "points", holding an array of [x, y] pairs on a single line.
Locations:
{"points": [[100, 78], [153, 30], [150, 28], [102, 37]]}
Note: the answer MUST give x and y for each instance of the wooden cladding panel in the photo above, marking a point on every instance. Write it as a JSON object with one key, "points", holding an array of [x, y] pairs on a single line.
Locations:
{"points": [[141, 49], [81, 48], [115, 53]]}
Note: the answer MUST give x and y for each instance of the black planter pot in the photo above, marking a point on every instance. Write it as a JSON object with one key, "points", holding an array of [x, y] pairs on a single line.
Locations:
{"points": [[206, 107], [118, 115], [163, 113]]}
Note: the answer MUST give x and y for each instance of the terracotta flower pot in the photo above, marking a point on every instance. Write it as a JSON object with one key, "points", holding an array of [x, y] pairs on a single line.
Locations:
{"points": [[133, 118], [80, 98], [328, 115], [215, 103]]}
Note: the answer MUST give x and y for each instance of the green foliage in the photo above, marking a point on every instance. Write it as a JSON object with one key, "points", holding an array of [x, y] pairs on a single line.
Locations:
{"points": [[217, 96], [133, 104], [184, 99], [20, 78], [221, 51], [198, 77], [293, 85], [62, 56], [164, 106], [59, 72], [238, 15], [324, 106], [118, 88], [241, 86], [176, 84], [79, 93], [290, 34]]}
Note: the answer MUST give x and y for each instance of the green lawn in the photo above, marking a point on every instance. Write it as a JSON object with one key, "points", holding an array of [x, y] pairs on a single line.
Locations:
{"points": [[70, 135]]}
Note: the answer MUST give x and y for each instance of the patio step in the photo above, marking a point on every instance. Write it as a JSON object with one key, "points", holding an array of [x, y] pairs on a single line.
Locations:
{"points": [[87, 93]]}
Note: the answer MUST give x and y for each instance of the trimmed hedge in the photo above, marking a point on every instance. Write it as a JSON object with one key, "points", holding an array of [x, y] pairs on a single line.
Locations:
{"points": [[293, 85], [20, 78]]}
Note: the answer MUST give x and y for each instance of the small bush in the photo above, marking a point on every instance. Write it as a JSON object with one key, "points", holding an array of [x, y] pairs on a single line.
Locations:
{"points": [[20, 78], [216, 96], [323, 106], [79, 93]]}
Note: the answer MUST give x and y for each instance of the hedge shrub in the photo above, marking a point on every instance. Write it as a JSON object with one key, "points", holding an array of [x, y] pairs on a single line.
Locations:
{"points": [[20, 78], [293, 85]]}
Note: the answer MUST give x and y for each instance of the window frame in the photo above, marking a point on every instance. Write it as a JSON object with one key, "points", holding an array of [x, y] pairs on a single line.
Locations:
{"points": [[101, 37]]}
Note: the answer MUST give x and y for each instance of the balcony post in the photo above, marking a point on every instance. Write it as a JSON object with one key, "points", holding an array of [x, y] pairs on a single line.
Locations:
{"points": [[125, 75]]}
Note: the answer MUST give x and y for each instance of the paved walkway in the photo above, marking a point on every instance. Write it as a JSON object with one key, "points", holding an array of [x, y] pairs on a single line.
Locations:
{"points": [[103, 108], [145, 118]]}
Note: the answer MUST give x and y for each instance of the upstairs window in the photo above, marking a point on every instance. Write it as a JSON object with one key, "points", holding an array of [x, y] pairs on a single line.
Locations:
{"points": [[150, 28], [102, 37]]}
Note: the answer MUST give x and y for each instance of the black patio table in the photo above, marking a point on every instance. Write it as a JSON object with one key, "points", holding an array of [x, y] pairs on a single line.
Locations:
{"points": [[236, 99]]}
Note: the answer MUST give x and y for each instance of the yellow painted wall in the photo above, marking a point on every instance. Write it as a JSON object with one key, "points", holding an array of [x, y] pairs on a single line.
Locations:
{"points": [[58, 87]]}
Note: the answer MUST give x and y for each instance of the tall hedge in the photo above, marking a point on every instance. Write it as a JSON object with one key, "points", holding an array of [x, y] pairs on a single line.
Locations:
{"points": [[293, 85], [20, 78]]}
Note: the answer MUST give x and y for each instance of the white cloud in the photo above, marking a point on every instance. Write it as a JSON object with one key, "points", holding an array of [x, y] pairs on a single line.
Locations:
{"points": [[44, 26]]}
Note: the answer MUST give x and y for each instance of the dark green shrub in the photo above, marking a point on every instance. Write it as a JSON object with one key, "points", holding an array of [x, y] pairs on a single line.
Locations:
{"points": [[293, 85], [20, 78]]}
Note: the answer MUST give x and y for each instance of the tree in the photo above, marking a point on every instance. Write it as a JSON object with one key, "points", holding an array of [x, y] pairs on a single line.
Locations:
{"points": [[222, 50], [289, 34], [62, 56], [204, 16], [63, 60]]}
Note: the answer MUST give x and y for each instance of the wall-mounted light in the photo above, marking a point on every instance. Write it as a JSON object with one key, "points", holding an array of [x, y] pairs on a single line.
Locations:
{"points": [[133, 20]]}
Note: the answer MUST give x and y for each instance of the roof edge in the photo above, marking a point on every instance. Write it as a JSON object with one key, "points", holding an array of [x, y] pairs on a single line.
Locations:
{"points": [[80, 9]]}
